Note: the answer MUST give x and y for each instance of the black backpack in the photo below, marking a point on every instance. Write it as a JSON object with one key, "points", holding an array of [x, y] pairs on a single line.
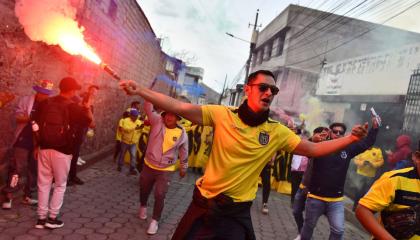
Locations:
{"points": [[54, 124]]}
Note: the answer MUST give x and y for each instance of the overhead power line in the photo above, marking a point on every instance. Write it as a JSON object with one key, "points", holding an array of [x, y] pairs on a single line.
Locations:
{"points": [[357, 36]]}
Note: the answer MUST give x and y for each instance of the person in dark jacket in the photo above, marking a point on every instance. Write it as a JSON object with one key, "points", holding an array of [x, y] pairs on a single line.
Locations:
{"points": [[326, 188], [319, 134]]}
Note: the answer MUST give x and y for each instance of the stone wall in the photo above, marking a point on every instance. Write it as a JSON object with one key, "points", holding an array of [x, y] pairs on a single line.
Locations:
{"points": [[118, 31]]}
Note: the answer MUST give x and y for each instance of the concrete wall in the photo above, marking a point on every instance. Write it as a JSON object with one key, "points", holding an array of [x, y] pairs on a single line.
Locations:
{"points": [[124, 40]]}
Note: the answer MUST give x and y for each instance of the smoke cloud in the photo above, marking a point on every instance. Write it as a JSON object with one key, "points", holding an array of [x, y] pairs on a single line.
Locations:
{"points": [[313, 113], [54, 22]]}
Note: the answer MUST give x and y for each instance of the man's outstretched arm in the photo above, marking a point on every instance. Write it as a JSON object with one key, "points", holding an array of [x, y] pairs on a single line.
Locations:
{"points": [[190, 111], [310, 149], [371, 224]]}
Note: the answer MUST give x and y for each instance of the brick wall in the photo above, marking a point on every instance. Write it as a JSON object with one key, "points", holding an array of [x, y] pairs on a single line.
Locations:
{"points": [[120, 34]]}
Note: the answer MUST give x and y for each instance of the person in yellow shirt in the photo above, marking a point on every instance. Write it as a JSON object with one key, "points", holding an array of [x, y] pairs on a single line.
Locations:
{"points": [[130, 133], [244, 141], [126, 114], [393, 194], [367, 163]]}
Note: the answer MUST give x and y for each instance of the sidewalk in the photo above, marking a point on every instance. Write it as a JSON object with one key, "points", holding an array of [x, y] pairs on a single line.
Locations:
{"points": [[106, 207]]}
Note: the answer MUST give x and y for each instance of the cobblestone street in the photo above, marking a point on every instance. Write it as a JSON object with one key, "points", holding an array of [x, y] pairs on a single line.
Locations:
{"points": [[106, 207]]}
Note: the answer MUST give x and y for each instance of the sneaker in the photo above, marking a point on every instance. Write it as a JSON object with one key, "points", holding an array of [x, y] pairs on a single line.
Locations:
{"points": [[264, 208], [40, 224], [7, 204], [297, 238], [80, 161], [153, 227], [29, 201], [143, 213], [54, 223]]}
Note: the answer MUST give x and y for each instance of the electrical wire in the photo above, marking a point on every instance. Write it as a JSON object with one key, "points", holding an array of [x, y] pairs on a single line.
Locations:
{"points": [[357, 36]]}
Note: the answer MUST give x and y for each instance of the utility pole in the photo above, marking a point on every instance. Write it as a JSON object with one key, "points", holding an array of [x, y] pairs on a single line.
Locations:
{"points": [[240, 90], [223, 91], [252, 45]]}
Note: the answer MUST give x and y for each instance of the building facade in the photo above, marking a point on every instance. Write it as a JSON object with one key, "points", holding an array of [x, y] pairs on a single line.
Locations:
{"points": [[300, 43]]}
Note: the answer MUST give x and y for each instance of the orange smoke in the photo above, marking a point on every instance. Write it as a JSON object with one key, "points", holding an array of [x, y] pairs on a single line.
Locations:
{"points": [[53, 22]]}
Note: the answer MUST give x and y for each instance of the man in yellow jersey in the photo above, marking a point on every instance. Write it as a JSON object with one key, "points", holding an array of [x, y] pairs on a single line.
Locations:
{"points": [[130, 133], [393, 193], [244, 141], [167, 142]]}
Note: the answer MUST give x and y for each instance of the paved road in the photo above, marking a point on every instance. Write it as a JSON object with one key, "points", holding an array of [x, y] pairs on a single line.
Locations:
{"points": [[106, 207]]}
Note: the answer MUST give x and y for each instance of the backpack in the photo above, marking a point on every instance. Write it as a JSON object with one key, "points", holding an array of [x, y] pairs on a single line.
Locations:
{"points": [[54, 124]]}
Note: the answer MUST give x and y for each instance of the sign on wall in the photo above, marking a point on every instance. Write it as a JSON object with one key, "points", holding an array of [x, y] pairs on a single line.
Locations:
{"points": [[384, 73]]}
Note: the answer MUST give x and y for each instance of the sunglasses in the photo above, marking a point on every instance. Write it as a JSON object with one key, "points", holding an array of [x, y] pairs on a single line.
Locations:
{"points": [[264, 87], [338, 132]]}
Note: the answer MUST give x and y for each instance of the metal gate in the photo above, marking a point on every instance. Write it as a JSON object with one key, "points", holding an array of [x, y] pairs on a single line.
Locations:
{"points": [[411, 123]]}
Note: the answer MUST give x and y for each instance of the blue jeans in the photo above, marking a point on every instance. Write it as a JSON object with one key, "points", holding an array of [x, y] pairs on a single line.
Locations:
{"points": [[132, 150], [334, 211], [299, 207]]}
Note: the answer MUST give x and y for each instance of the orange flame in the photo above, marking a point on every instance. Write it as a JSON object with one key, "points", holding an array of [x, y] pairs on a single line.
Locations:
{"points": [[54, 22], [76, 45]]}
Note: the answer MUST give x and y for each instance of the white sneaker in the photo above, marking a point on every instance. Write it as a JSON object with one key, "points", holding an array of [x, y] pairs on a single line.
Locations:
{"points": [[143, 212], [7, 205], [264, 208], [29, 201], [80, 161], [297, 238], [153, 227]]}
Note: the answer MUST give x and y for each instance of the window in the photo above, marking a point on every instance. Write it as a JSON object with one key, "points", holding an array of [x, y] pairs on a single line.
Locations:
{"points": [[267, 51], [112, 10], [275, 46], [254, 58], [260, 56], [280, 45]]}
